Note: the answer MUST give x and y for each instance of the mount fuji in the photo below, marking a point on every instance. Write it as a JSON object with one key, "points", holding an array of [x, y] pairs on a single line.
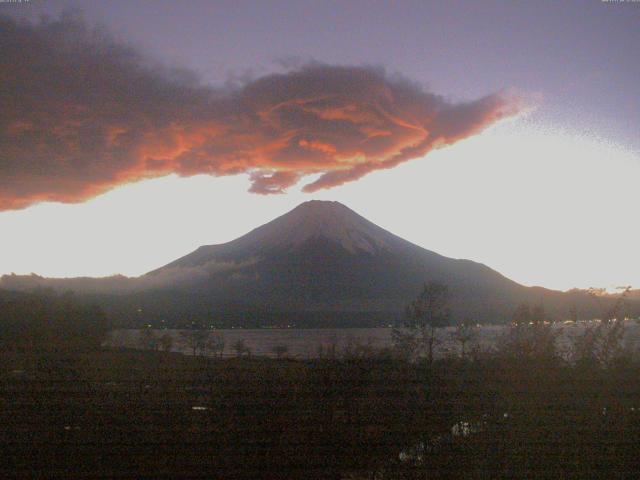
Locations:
{"points": [[319, 265], [323, 263]]}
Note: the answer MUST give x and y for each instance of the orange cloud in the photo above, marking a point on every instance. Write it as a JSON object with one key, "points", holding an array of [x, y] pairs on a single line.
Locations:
{"points": [[83, 114]]}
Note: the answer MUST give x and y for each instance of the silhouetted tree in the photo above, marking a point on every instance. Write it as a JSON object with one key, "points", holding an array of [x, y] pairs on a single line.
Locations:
{"points": [[426, 313], [359, 349], [538, 314], [522, 315], [465, 333], [166, 342], [195, 339], [530, 335], [601, 343], [618, 311], [573, 314], [241, 348], [44, 321], [147, 339], [215, 343]]}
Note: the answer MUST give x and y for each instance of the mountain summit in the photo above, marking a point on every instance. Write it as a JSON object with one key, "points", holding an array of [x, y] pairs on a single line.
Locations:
{"points": [[331, 220], [309, 221]]}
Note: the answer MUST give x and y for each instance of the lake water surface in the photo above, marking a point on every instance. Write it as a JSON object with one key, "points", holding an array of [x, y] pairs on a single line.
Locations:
{"points": [[307, 343]]}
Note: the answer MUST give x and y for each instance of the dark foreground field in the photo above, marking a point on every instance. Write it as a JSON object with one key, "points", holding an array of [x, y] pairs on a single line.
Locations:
{"points": [[150, 414]]}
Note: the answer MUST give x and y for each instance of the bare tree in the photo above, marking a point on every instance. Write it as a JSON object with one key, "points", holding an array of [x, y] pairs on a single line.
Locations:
{"points": [[215, 343], [426, 313], [531, 335], [241, 348], [195, 340], [465, 333], [602, 343], [166, 342], [521, 316]]}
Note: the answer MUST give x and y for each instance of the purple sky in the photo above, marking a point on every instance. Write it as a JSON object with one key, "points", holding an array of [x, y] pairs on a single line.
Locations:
{"points": [[546, 198], [581, 56]]}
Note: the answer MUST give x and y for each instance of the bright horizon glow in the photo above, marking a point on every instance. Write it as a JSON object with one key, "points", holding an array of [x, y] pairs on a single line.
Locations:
{"points": [[542, 207]]}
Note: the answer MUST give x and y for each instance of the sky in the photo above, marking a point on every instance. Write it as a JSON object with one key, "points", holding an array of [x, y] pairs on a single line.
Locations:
{"points": [[501, 132]]}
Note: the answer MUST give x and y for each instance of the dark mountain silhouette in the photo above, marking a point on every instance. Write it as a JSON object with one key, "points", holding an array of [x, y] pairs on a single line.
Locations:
{"points": [[321, 264], [322, 257]]}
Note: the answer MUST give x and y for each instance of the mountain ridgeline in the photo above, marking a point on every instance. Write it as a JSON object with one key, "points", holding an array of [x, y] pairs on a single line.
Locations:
{"points": [[320, 265]]}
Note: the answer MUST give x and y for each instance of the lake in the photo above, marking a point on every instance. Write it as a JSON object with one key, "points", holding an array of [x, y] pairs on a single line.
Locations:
{"points": [[307, 343]]}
